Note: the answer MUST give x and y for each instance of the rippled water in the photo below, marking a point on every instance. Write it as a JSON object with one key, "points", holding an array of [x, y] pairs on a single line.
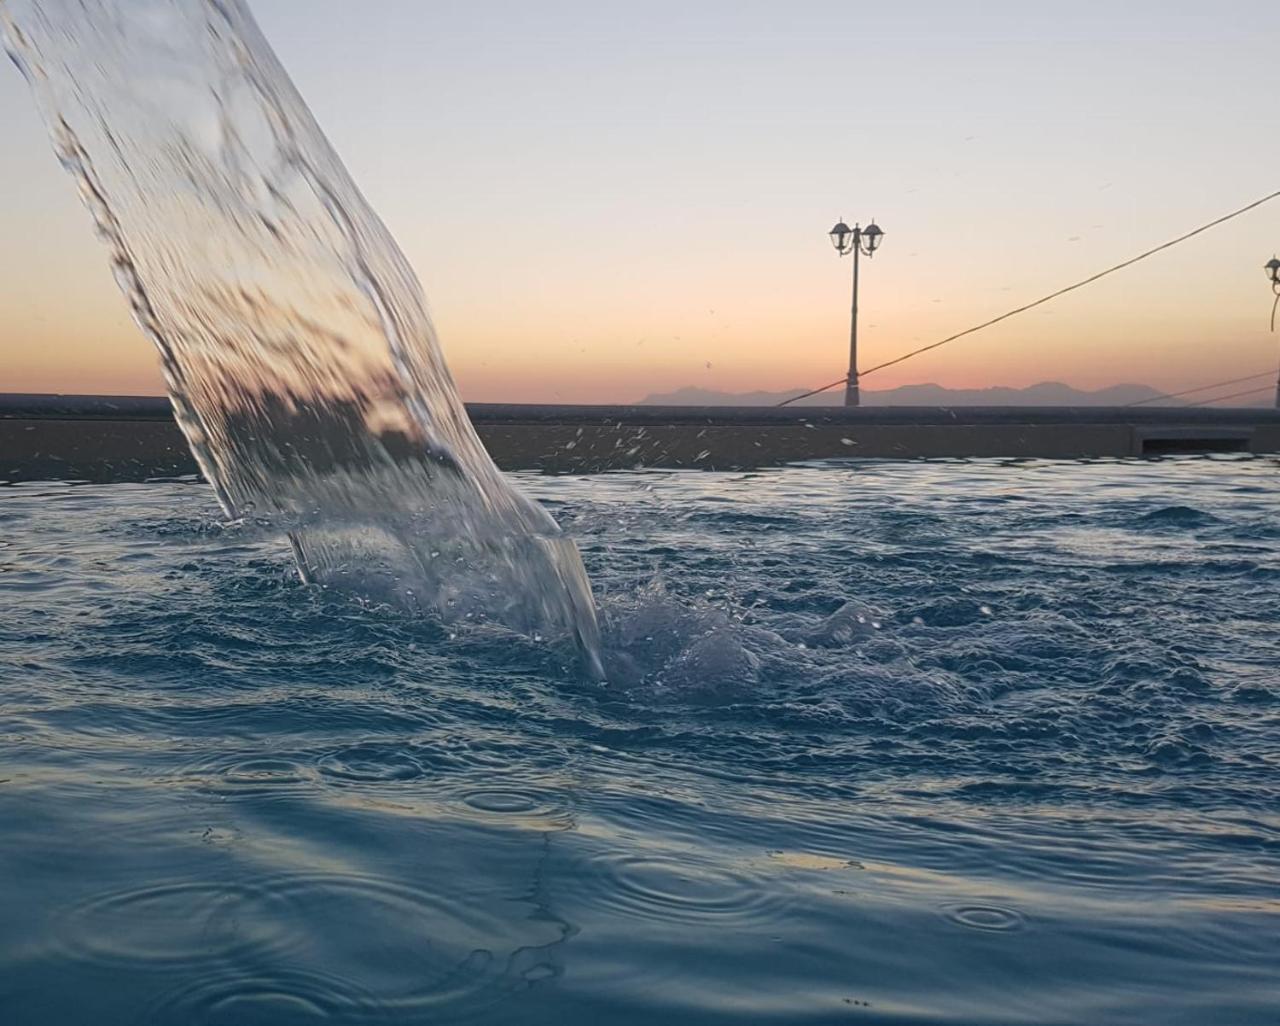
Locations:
{"points": [[884, 743]]}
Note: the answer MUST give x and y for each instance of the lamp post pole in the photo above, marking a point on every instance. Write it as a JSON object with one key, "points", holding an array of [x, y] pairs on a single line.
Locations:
{"points": [[1272, 267], [851, 397], [856, 240]]}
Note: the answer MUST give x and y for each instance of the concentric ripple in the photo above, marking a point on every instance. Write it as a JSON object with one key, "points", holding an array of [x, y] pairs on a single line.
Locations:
{"points": [[993, 918], [418, 951], [281, 996], [258, 776], [503, 802], [172, 926], [369, 763], [671, 889]]}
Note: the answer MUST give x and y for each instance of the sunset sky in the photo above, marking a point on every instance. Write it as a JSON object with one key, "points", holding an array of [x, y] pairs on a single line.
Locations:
{"points": [[609, 199]]}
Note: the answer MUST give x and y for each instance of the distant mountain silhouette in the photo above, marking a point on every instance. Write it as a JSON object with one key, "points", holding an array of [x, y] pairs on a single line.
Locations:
{"points": [[1047, 393]]}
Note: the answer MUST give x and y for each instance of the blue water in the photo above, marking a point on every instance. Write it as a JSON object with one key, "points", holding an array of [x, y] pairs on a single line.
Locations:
{"points": [[883, 743]]}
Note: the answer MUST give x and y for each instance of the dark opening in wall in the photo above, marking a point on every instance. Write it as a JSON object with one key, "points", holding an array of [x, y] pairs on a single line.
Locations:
{"points": [[1167, 446]]}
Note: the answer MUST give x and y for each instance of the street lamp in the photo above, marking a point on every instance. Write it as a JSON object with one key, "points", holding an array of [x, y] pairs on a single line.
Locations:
{"points": [[1272, 267], [858, 240]]}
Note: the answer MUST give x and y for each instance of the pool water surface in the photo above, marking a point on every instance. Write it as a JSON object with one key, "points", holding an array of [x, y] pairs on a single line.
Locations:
{"points": [[934, 742]]}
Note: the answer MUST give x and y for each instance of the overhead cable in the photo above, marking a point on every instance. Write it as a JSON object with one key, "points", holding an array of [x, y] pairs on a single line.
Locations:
{"points": [[1044, 299]]}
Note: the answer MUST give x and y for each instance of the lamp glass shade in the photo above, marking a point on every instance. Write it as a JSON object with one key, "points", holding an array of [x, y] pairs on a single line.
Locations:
{"points": [[1272, 267], [840, 236], [872, 236]]}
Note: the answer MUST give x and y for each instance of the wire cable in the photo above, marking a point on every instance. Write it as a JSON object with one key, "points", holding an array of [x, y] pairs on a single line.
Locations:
{"points": [[1201, 388], [1044, 299], [805, 395], [1233, 395]]}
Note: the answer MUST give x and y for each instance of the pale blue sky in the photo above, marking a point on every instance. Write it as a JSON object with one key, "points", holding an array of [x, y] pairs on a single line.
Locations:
{"points": [[602, 198]]}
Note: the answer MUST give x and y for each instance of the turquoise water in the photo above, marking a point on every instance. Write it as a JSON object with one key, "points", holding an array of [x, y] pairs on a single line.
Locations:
{"points": [[882, 743]]}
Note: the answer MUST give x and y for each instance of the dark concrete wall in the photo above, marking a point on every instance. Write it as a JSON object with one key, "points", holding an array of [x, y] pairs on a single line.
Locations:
{"points": [[107, 438]]}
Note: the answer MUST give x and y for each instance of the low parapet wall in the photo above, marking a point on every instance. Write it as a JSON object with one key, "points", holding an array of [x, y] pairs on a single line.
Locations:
{"points": [[127, 438]]}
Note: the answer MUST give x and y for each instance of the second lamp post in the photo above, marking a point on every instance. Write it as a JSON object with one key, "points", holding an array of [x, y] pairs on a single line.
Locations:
{"points": [[1272, 267], [855, 240]]}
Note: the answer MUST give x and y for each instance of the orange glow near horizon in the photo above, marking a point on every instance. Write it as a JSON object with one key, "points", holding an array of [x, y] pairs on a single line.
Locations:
{"points": [[748, 326]]}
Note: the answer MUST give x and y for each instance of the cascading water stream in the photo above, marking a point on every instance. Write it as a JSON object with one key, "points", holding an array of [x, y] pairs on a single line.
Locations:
{"points": [[299, 355]]}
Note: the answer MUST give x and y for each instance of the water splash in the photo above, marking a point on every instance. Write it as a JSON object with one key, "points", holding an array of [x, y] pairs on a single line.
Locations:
{"points": [[300, 358]]}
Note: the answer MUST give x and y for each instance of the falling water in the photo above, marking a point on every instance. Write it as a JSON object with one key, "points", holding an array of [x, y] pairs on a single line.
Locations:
{"points": [[299, 355]]}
